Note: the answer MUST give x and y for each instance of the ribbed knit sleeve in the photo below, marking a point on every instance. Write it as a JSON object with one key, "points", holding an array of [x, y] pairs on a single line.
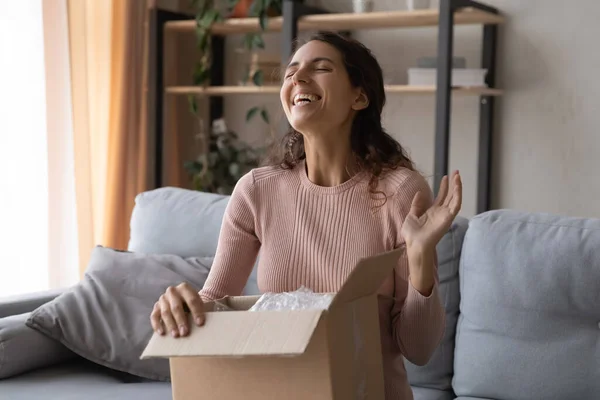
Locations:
{"points": [[238, 244], [418, 322]]}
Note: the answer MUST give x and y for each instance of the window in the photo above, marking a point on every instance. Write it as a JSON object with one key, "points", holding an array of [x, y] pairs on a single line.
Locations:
{"points": [[38, 231]]}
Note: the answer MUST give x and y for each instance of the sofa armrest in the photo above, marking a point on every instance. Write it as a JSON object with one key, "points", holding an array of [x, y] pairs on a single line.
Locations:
{"points": [[21, 304]]}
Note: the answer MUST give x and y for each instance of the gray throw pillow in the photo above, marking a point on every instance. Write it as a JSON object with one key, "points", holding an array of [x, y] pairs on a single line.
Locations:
{"points": [[105, 317], [23, 349]]}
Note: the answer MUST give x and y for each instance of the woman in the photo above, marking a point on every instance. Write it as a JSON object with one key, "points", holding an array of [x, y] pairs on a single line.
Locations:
{"points": [[343, 189]]}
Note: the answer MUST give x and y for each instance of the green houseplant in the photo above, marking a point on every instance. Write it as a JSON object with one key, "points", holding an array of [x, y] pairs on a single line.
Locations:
{"points": [[225, 157], [207, 14], [226, 160]]}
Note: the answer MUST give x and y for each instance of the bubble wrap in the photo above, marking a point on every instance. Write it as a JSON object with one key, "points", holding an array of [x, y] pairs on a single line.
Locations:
{"points": [[301, 299]]}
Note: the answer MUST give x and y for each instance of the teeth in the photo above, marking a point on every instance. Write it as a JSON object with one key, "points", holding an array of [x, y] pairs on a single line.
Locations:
{"points": [[305, 97]]}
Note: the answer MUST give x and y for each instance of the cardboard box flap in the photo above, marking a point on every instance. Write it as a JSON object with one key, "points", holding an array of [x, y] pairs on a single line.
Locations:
{"points": [[241, 333], [367, 277]]}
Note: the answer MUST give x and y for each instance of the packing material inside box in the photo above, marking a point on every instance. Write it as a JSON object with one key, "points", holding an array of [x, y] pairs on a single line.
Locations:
{"points": [[328, 353]]}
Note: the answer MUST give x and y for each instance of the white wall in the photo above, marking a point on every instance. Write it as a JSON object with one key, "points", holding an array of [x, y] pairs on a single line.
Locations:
{"points": [[547, 136]]}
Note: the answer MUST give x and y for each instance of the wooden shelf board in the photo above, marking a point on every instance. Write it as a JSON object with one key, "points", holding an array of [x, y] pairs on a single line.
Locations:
{"points": [[347, 21], [257, 90], [222, 90]]}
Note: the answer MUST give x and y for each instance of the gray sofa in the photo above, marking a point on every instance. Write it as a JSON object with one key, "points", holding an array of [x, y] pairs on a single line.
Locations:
{"points": [[521, 291]]}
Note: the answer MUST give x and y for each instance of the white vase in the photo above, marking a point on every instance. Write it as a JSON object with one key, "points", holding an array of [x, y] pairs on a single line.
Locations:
{"points": [[362, 6], [418, 4]]}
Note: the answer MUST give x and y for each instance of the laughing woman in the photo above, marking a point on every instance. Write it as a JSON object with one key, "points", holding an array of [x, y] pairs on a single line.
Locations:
{"points": [[342, 189]]}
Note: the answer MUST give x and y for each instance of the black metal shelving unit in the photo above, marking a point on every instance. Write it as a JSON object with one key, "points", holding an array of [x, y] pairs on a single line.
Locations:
{"points": [[293, 11]]}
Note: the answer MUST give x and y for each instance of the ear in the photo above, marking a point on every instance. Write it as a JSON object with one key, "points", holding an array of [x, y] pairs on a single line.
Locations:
{"points": [[361, 101]]}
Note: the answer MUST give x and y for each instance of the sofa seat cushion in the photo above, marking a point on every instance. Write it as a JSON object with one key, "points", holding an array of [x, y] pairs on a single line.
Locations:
{"points": [[81, 380], [431, 394], [23, 349], [530, 308]]}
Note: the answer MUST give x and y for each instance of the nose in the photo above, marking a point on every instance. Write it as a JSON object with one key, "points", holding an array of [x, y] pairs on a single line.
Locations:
{"points": [[300, 76]]}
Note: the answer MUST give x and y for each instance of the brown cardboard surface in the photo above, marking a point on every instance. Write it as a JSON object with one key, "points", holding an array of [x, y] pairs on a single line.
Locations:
{"points": [[304, 377], [234, 302], [367, 277], [240, 302], [355, 345], [241, 333], [332, 354]]}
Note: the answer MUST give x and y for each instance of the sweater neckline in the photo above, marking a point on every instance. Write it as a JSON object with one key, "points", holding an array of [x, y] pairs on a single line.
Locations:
{"points": [[326, 190]]}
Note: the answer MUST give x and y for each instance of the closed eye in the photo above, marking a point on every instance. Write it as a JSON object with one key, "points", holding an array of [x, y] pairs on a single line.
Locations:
{"points": [[290, 74]]}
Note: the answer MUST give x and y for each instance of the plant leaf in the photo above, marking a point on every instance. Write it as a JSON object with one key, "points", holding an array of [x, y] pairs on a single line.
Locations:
{"points": [[201, 74], [258, 78], [257, 41], [264, 20], [251, 113], [193, 103], [209, 18], [202, 36], [265, 115]]}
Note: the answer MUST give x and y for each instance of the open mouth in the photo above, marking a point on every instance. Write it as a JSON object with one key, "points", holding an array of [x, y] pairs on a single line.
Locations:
{"points": [[304, 99]]}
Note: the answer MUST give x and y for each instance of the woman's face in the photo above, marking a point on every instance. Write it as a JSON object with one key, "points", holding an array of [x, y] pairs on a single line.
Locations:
{"points": [[316, 93]]}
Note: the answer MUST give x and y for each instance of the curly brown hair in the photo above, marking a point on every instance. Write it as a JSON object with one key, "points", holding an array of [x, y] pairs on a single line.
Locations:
{"points": [[375, 151]]}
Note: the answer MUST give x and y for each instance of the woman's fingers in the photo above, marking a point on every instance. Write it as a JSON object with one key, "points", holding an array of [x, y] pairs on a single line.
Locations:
{"points": [[156, 321], [450, 195], [441, 197], [194, 302], [169, 313], [177, 310], [456, 202], [418, 205], [167, 316]]}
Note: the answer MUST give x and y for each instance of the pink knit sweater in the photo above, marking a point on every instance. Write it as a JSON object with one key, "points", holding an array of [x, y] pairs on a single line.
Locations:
{"points": [[312, 235]]}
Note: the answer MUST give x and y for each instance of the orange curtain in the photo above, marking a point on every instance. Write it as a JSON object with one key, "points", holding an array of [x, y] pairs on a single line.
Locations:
{"points": [[127, 145], [108, 72]]}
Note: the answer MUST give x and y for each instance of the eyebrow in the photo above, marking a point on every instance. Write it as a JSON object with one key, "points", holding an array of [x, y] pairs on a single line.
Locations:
{"points": [[314, 60]]}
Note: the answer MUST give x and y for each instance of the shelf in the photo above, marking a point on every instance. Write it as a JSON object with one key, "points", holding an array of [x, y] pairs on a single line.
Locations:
{"points": [[254, 90], [222, 90], [347, 21]]}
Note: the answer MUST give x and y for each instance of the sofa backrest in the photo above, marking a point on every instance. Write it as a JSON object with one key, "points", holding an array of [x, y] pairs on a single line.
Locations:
{"points": [[177, 221], [529, 326], [181, 222]]}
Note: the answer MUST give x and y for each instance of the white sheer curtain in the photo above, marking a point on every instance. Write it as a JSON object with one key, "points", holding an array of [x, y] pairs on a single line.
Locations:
{"points": [[38, 227]]}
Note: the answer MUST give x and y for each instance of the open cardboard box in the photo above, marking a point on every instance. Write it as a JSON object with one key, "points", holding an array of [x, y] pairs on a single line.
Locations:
{"points": [[332, 354]]}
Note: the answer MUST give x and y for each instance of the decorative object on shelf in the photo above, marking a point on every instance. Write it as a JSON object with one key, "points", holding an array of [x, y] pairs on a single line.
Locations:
{"points": [[240, 9], [226, 160], [260, 68], [362, 6], [432, 62], [418, 4], [426, 73], [461, 77]]}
